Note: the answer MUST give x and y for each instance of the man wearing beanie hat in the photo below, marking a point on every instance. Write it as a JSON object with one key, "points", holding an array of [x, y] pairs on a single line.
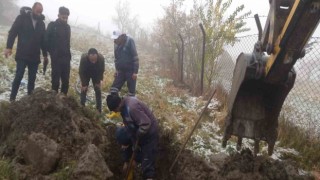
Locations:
{"points": [[142, 127], [57, 38], [91, 67]]}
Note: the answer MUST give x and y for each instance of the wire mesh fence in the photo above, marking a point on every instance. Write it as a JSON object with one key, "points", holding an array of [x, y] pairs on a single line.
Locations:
{"points": [[302, 106]]}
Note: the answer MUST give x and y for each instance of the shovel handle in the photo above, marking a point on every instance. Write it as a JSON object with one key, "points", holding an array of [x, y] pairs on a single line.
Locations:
{"points": [[129, 169]]}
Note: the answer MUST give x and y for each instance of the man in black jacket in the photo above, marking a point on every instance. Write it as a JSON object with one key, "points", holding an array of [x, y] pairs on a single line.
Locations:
{"points": [[58, 43], [91, 67], [30, 29]]}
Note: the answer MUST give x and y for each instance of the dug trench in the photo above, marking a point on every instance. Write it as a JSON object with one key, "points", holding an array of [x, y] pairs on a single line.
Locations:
{"points": [[48, 135]]}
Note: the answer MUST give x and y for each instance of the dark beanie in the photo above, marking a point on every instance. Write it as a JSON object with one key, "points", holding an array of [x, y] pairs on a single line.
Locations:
{"points": [[123, 136], [92, 51], [64, 11], [113, 101]]}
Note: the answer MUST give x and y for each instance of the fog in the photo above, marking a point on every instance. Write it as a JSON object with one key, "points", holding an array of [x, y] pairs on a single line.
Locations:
{"points": [[96, 13]]}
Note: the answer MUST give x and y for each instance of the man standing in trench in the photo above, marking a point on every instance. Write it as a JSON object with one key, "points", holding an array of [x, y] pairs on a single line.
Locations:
{"points": [[141, 126], [30, 29], [58, 37]]}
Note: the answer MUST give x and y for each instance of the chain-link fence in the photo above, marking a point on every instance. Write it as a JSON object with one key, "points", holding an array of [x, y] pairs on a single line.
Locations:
{"points": [[302, 106]]}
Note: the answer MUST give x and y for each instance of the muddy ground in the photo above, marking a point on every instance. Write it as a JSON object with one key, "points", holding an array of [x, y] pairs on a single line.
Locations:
{"points": [[46, 133]]}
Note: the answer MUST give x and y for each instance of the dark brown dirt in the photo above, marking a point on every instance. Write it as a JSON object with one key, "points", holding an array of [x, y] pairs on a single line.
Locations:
{"points": [[58, 117], [239, 166], [73, 127]]}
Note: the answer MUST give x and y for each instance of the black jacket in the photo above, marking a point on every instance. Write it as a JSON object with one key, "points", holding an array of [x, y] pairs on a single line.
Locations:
{"points": [[89, 70], [57, 39], [30, 39]]}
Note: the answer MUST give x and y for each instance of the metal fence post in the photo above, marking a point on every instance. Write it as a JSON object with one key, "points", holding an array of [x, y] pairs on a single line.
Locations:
{"points": [[203, 54], [181, 58]]}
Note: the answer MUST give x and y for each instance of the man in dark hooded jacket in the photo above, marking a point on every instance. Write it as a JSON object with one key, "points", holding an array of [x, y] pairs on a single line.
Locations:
{"points": [[58, 37], [30, 29], [141, 126]]}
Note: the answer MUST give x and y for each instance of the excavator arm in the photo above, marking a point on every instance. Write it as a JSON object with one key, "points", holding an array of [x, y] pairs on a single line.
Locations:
{"points": [[263, 79], [286, 46]]}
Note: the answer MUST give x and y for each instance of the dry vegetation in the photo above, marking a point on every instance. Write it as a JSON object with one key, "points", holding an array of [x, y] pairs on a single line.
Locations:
{"points": [[292, 136]]}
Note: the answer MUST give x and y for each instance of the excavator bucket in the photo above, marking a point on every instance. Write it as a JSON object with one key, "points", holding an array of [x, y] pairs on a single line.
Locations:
{"points": [[262, 82], [254, 105]]}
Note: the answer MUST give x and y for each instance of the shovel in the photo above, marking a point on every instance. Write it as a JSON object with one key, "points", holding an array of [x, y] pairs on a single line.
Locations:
{"points": [[129, 172]]}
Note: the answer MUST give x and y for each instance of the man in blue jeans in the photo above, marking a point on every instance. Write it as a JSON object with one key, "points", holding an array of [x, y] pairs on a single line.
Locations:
{"points": [[141, 126], [30, 28]]}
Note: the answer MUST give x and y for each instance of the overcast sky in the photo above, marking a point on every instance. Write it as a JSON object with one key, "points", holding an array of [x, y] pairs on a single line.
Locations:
{"points": [[93, 12]]}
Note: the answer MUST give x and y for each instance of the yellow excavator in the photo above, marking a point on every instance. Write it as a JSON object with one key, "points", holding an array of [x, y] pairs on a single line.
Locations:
{"points": [[262, 80]]}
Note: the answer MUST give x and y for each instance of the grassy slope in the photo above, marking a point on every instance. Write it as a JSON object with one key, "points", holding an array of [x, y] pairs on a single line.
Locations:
{"points": [[157, 92]]}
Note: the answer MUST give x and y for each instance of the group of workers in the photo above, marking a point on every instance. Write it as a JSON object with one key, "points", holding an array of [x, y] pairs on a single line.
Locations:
{"points": [[139, 134]]}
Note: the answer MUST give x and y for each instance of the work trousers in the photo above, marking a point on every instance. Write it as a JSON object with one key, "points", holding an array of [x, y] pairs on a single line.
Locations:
{"points": [[32, 73], [60, 72], [146, 155], [120, 79], [97, 90]]}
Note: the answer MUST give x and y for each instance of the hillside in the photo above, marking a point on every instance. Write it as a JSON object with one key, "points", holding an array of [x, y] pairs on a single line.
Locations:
{"points": [[50, 136]]}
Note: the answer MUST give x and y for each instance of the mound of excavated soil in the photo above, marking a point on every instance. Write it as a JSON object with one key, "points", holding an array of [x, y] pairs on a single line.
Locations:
{"points": [[47, 133]]}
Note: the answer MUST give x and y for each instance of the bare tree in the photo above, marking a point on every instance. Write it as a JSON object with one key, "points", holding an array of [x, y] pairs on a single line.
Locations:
{"points": [[122, 15], [220, 28], [165, 36], [124, 19]]}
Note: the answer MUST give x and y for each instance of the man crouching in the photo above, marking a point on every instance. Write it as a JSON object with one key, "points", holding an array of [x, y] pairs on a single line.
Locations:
{"points": [[142, 128]]}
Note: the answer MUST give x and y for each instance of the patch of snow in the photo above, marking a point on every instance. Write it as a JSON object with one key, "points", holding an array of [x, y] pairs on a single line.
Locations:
{"points": [[214, 104]]}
